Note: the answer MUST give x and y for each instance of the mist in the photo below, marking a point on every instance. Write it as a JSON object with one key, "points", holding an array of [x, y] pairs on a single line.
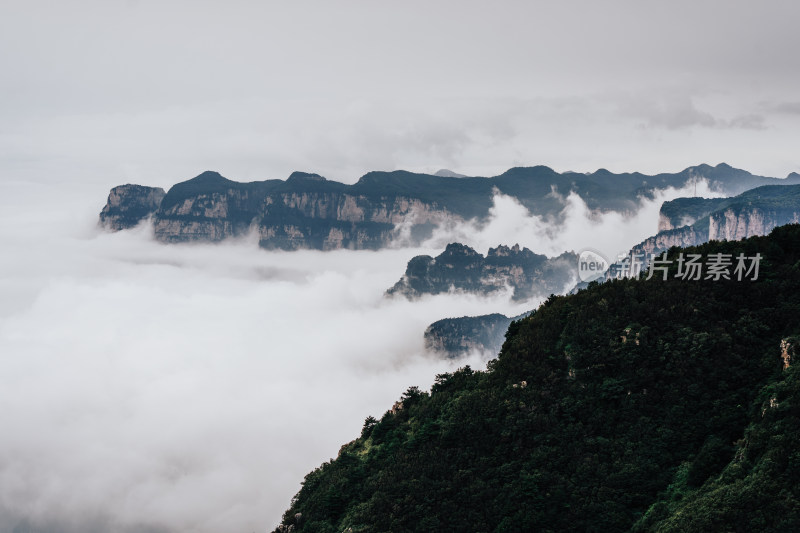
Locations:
{"points": [[150, 387], [153, 387], [576, 227]]}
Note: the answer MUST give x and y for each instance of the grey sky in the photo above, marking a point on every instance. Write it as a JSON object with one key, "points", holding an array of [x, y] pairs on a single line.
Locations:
{"points": [[110, 91]]}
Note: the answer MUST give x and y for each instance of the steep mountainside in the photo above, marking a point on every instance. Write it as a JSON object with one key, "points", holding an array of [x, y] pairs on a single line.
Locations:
{"points": [[128, 205], [755, 212], [308, 211], [686, 211], [634, 404], [461, 268], [455, 337]]}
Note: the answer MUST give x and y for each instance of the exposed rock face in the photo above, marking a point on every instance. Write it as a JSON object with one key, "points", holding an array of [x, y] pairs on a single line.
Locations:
{"points": [[456, 337], [664, 240], [305, 211], [460, 268], [687, 211], [754, 212], [788, 351], [128, 205], [382, 208], [734, 224]]}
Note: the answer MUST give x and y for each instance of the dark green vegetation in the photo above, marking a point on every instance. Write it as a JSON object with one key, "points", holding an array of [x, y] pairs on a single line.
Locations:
{"points": [[686, 211], [642, 405], [455, 337], [461, 268], [308, 211], [472, 196]]}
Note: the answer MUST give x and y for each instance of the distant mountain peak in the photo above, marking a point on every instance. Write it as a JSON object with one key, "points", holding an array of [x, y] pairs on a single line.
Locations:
{"points": [[537, 171], [445, 173], [305, 176], [209, 176]]}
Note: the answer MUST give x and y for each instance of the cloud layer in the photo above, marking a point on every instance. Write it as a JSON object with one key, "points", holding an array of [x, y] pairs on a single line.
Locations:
{"points": [[188, 388], [576, 228]]}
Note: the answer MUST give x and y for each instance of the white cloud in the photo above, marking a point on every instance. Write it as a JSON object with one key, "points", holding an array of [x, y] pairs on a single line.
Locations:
{"points": [[188, 387], [576, 228]]}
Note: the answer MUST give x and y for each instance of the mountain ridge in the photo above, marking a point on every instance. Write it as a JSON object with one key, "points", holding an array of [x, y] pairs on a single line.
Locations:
{"points": [[308, 211]]}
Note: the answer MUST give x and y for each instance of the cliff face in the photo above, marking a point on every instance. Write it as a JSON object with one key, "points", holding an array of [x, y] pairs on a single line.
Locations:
{"points": [[333, 220], [734, 224], [461, 268], [308, 211], [664, 240], [305, 211], [128, 205], [455, 337], [754, 212], [686, 211]]}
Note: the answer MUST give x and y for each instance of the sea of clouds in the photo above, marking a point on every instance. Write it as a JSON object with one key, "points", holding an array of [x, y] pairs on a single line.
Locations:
{"points": [[150, 388]]}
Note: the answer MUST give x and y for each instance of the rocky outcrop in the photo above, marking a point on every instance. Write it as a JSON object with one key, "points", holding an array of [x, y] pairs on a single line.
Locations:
{"points": [[754, 212], [664, 240], [461, 269], [739, 222], [457, 337], [687, 211], [128, 205], [788, 351], [382, 208], [305, 211]]}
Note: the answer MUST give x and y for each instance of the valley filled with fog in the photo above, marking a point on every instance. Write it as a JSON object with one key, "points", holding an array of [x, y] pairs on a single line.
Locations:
{"points": [[153, 387]]}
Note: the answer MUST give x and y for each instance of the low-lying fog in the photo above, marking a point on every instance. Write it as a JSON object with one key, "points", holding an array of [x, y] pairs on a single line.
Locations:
{"points": [[148, 387]]}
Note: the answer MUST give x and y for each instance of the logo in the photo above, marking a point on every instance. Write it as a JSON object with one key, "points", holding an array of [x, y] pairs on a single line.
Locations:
{"points": [[592, 265]]}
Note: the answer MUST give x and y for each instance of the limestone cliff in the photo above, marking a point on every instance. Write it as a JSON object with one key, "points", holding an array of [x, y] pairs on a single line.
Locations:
{"points": [[382, 208], [128, 205], [686, 211], [456, 337], [664, 240], [460, 268], [739, 222], [305, 211], [754, 212]]}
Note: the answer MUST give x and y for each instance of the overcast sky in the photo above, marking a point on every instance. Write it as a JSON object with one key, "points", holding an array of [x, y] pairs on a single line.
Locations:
{"points": [[157, 91]]}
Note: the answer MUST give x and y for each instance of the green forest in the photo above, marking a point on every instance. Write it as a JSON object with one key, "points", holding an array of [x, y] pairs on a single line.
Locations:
{"points": [[632, 405]]}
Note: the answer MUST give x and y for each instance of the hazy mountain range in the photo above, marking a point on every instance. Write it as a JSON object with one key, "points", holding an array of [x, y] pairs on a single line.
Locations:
{"points": [[308, 211]]}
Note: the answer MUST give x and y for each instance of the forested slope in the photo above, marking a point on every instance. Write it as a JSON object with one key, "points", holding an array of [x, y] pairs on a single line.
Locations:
{"points": [[646, 404]]}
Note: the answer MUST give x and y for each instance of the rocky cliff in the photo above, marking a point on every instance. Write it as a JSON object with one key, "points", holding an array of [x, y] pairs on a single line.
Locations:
{"points": [[305, 211], [664, 240], [128, 205], [456, 337], [686, 211], [754, 212], [308, 211], [740, 221], [460, 268]]}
